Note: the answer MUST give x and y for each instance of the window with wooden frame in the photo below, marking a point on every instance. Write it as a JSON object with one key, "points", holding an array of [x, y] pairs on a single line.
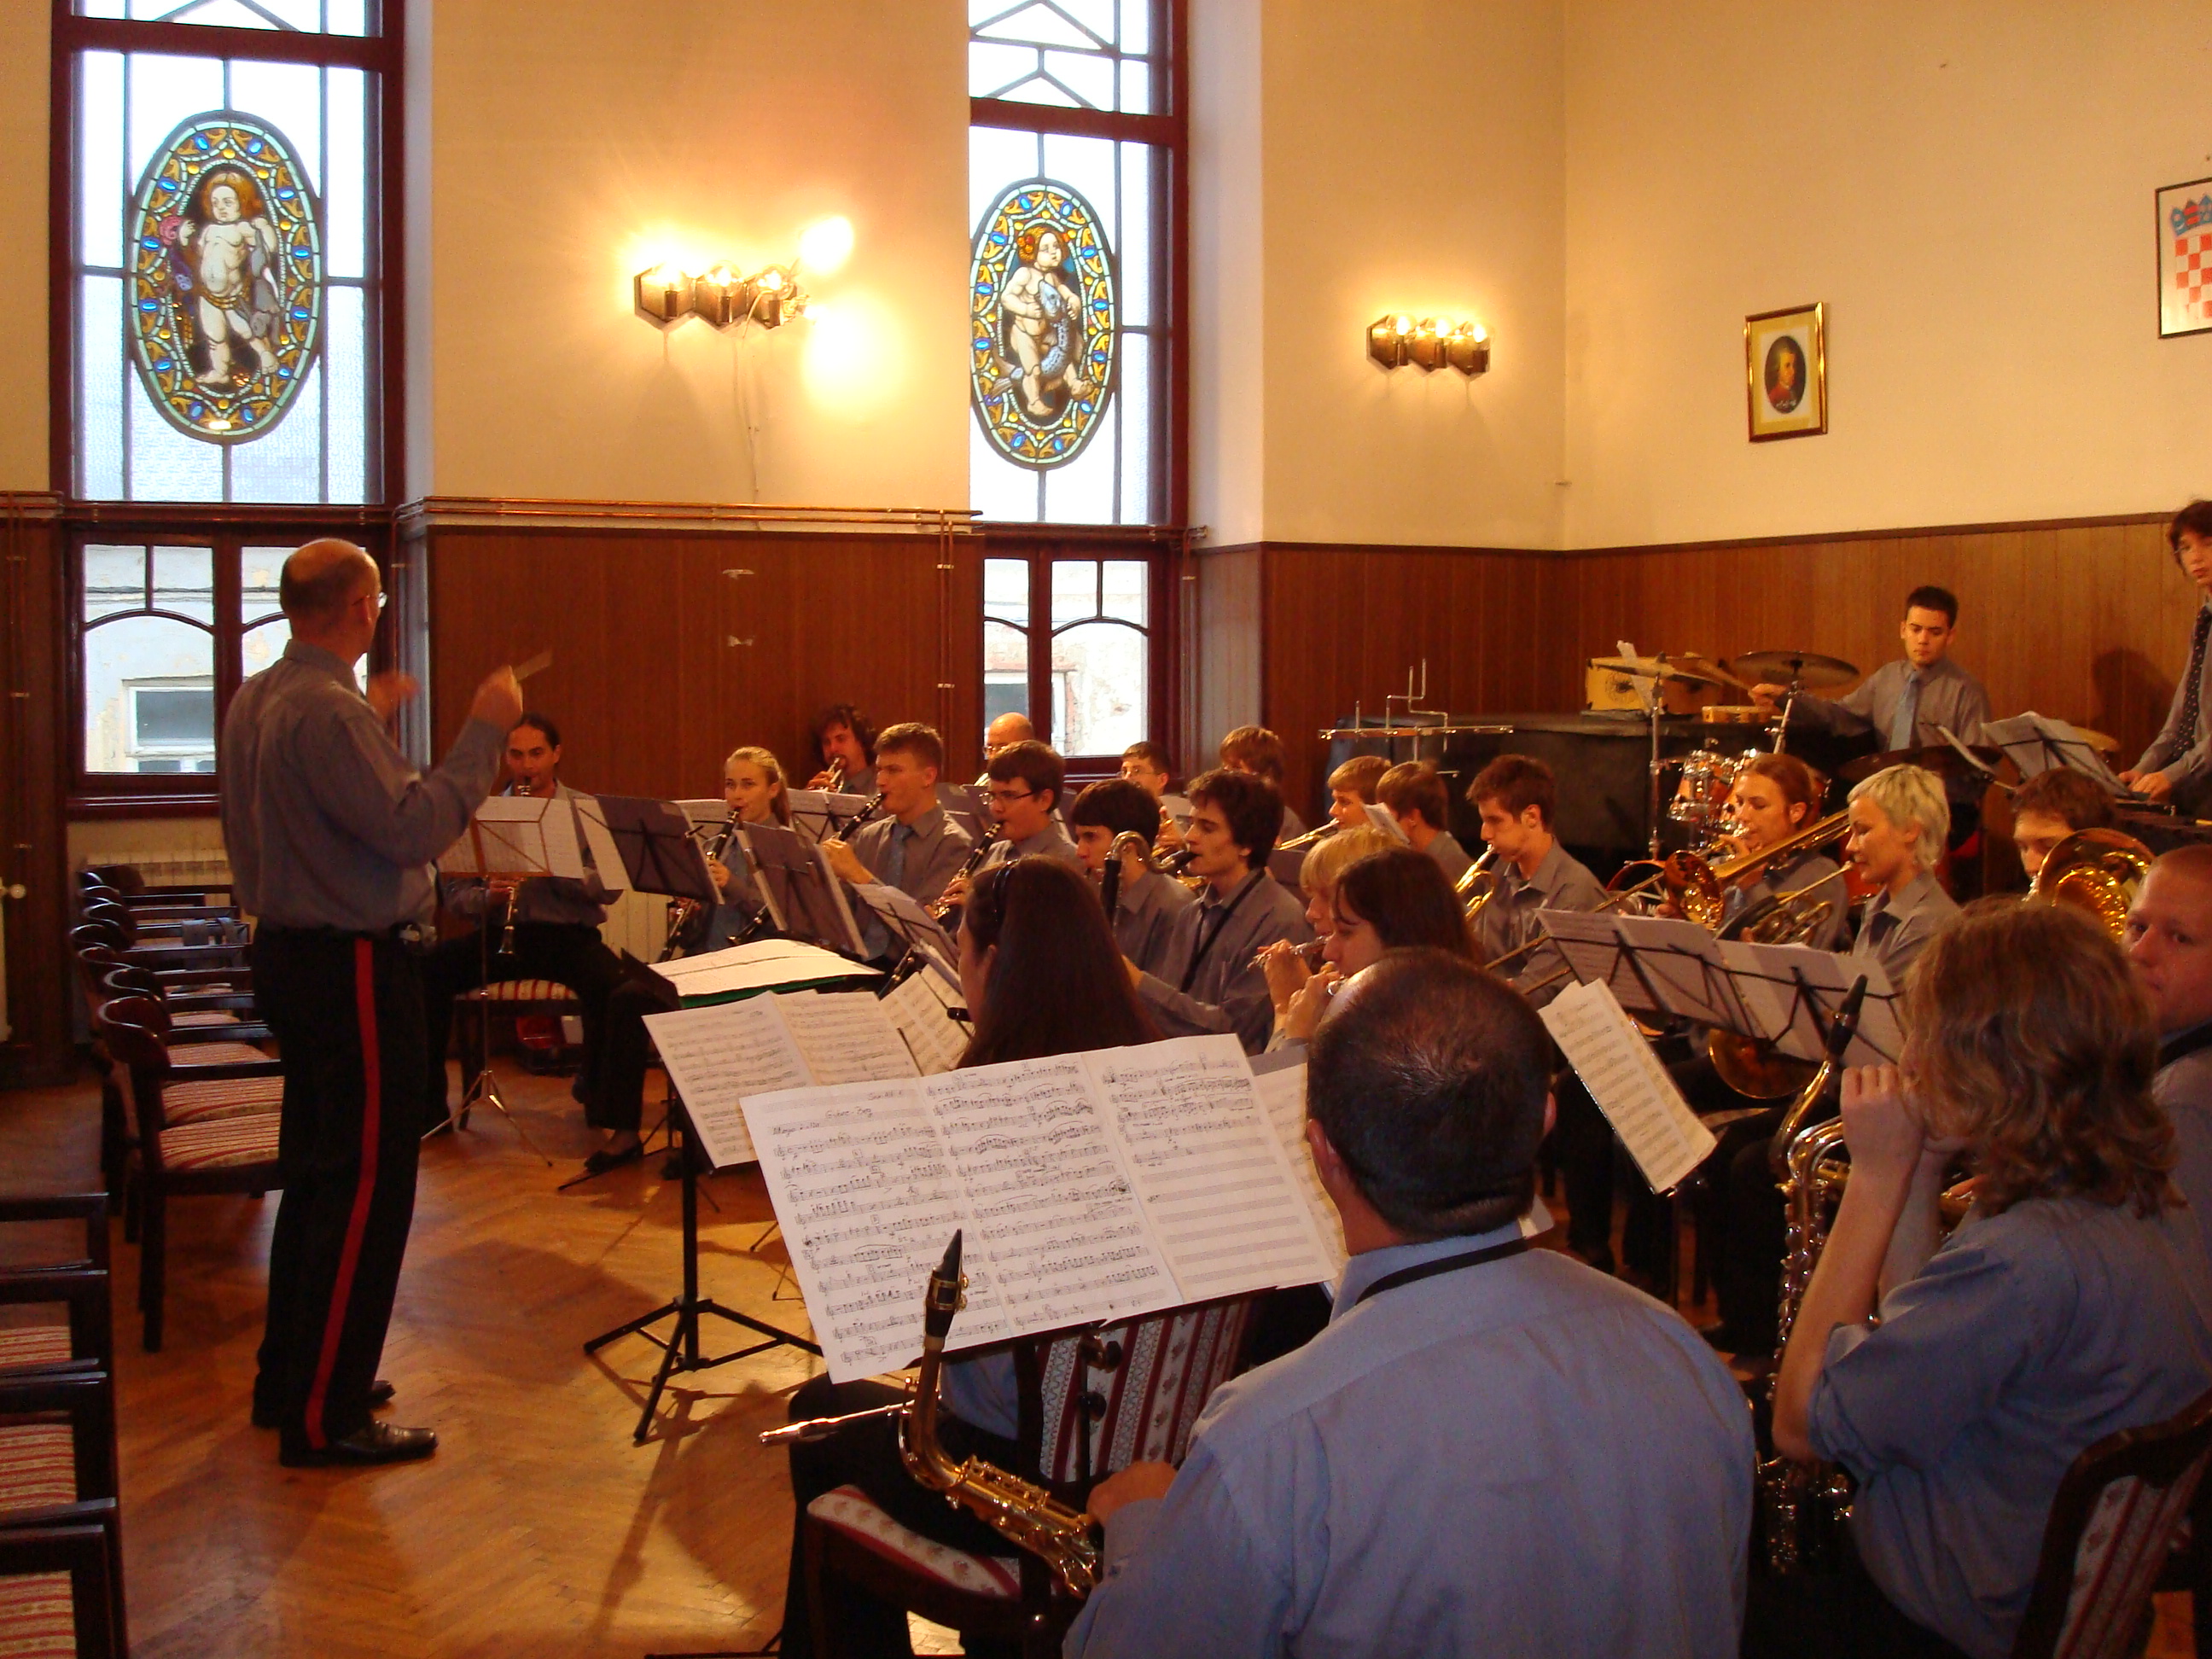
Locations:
{"points": [[1077, 144], [226, 358]]}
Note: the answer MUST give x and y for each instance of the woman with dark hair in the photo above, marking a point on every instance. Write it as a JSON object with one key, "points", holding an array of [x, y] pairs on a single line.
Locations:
{"points": [[2073, 1302], [1387, 900], [1041, 978]]}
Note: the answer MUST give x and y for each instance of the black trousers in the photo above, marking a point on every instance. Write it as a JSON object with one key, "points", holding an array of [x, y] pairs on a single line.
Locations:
{"points": [[347, 1012], [568, 953], [1581, 1145], [625, 1051], [866, 1454], [1833, 1615]]}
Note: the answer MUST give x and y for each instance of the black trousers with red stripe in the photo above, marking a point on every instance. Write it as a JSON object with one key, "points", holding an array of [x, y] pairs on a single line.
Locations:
{"points": [[347, 1011]]}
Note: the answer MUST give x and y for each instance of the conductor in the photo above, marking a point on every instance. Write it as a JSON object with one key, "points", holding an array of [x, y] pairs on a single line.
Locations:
{"points": [[331, 831]]}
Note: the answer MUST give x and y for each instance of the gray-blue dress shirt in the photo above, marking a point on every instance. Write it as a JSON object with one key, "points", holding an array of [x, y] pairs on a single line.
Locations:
{"points": [[2185, 757], [1523, 1458], [1895, 930], [1562, 882], [1949, 697], [1229, 991], [1144, 915], [2026, 1338], [2183, 1087]]}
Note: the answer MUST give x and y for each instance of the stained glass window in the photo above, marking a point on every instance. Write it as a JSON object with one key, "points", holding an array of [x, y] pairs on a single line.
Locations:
{"points": [[1066, 339], [225, 259]]}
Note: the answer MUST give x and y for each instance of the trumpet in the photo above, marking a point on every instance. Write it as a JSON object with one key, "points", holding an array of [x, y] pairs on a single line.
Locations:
{"points": [[1476, 884], [834, 778]]}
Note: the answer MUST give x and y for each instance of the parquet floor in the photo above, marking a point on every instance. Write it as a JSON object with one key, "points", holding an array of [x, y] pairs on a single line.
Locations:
{"points": [[539, 1528]]}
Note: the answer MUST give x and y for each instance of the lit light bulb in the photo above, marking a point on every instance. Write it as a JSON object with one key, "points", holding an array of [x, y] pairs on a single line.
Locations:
{"points": [[826, 244], [1402, 324], [665, 275], [771, 281]]}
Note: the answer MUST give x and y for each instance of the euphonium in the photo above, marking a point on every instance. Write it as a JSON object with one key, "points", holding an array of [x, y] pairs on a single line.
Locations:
{"points": [[2098, 872], [1066, 1540], [1801, 1504]]}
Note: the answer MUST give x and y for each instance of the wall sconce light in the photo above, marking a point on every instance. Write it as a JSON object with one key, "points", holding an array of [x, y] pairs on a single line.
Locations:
{"points": [[1396, 341], [666, 297]]}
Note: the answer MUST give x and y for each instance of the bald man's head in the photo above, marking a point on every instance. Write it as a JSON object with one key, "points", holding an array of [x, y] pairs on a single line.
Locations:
{"points": [[2169, 937], [1006, 731], [320, 581]]}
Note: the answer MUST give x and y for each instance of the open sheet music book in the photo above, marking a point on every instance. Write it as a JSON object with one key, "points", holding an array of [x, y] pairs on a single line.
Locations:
{"points": [[2036, 743], [920, 1006], [1629, 1084], [1783, 995], [1090, 1187], [765, 965], [717, 1056], [521, 835]]}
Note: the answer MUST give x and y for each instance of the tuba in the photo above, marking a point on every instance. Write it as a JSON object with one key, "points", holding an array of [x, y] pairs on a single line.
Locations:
{"points": [[2096, 871], [1802, 1505], [1066, 1540]]}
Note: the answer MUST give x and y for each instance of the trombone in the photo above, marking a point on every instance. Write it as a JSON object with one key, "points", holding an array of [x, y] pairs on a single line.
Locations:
{"points": [[1312, 837]]}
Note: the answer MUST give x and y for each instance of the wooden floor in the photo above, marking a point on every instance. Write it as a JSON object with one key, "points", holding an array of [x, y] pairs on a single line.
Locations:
{"points": [[539, 1528]]}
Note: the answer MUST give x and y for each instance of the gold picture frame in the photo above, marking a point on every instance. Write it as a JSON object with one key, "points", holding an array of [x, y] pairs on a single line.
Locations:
{"points": [[1785, 373]]}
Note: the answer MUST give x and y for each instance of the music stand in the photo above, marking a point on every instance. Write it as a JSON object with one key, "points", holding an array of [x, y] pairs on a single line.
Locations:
{"points": [[919, 935], [807, 901], [525, 837], [818, 814], [2035, 743]]}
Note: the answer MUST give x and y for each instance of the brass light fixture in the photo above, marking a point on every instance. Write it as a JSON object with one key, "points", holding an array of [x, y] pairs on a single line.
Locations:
{"points": [[1397, 340], [664, 295], [770, 297]]}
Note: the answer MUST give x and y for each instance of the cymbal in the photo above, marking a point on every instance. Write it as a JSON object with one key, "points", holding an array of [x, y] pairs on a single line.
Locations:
{"points": [[1718, 671], [1937, 758], [1807, 668], [1646, 670]]}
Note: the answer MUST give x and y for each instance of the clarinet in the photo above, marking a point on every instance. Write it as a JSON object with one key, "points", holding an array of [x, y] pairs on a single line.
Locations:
{"points": [[682, 910], [976, 854]]}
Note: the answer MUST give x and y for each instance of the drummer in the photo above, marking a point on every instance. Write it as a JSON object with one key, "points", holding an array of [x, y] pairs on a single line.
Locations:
{"points": [[1903, 702]]}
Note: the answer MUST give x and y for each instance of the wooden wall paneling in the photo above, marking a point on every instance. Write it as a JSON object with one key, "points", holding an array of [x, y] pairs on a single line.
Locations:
{"points": [[1227, 650], [34, 782]]}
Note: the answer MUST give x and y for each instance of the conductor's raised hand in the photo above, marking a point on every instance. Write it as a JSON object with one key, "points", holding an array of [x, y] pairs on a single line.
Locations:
{"points": [[498, 700], [1881, 1125], [388, 693]]}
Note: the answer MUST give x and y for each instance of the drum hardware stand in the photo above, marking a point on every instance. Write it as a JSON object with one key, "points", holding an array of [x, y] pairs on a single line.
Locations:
{"points": [[679, 1349], [483, 1087]]}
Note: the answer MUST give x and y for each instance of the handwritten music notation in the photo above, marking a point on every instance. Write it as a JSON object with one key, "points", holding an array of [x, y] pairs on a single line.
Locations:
{"points": [[1282, 1096]]}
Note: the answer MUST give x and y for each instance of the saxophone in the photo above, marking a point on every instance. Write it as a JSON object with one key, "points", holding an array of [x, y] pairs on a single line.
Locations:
{"points": [[1066, 1540], [1801, 1505]]}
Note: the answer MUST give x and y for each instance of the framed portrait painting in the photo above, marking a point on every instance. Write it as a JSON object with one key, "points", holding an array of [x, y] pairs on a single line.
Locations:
{"points": [[2185, 257], [1786, 369]]}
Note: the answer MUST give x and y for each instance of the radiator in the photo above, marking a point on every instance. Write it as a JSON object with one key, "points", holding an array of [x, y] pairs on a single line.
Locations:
{"points": [[637, 923]]}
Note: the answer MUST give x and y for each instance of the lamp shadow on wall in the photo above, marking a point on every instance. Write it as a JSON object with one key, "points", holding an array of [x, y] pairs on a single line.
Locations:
{"points": [[2130, 694]]}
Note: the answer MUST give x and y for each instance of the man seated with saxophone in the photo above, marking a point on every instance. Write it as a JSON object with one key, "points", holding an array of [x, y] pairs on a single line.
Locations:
{"points": [[2169, 945], [1041, 978], [1956, 1379], [1212, 978], [2050, 806], [1416, 798], [910, 844], [1463, 1460], [1898, 822], [753, 790], [1142, 900]]}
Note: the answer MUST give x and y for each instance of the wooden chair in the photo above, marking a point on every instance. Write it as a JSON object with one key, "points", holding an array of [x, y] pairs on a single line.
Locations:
{"points": [[58, 1513], [86, 1340], [211, 1129], [1090, 1404], [2118, 1514]]}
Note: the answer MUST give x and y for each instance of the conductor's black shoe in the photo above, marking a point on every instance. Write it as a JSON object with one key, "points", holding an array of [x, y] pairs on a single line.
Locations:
{"points": [[604, 1160], [379, 1395], [377, 1442]]}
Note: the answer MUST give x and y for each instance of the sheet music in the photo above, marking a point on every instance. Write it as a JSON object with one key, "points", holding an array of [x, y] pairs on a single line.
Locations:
{"points": [[1629, 1084], [1282, 1096], [905, 920], [847, 1038], [1382, 818], [598, 840], [812, 809], [917, 1011], [868, 1200], [716, 1056], [1684, 964], [762, 965], [2037, 742], [1206, 1163], [516, 836], [1772, 975], [1055, 1214], [1592, 946], [706, 817]]}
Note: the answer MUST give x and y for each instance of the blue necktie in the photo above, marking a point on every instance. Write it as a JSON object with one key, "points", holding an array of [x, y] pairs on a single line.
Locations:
{"points": [[1905, 724], [894, 871]]}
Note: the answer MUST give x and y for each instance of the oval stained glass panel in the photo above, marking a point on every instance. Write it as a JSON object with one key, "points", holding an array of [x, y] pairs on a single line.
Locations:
{"points": [[1042, 324], [225, 306]]}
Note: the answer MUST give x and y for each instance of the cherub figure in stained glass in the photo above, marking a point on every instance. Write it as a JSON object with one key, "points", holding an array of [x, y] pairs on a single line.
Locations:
{"points": [[1041, 323], [220, 252]]}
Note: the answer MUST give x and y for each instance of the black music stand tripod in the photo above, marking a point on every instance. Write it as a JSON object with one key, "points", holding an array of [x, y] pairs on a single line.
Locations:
{"points": [[680, 1348]]}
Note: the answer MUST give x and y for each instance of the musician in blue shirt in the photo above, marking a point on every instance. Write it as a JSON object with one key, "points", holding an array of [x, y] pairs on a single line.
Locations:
{"points": [[1464, 1461]]}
